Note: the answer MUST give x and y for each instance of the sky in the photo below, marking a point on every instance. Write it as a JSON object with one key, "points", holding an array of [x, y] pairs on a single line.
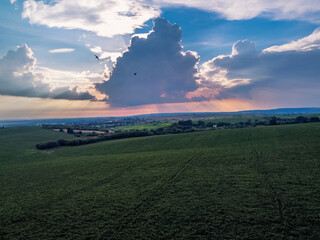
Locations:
{"points": [[156, 56]]}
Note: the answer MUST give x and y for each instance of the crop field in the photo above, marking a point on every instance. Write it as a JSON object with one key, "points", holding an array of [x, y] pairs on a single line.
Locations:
{"points": [[252, 117], [143, 126], [248, 183], [232, 119]]}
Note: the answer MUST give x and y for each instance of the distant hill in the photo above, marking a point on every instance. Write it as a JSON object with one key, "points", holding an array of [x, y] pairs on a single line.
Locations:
{"points": [[284, 111], [36, 122], [268, 111]]}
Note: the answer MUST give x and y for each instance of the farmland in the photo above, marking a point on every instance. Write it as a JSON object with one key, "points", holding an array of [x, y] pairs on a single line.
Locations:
{"points": [[248, 183]]}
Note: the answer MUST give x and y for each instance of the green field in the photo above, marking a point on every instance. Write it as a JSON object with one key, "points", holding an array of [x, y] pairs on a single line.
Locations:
{"points": [[249, 183], [143, 126], [232, 119]]}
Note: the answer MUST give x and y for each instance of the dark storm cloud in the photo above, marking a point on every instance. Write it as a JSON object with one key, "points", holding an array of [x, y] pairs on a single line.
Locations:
{"points": [[164, 73]]}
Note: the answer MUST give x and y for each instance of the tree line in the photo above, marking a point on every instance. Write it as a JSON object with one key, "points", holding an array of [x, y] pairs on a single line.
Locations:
{"points": [[177, 127], [83, 141]]}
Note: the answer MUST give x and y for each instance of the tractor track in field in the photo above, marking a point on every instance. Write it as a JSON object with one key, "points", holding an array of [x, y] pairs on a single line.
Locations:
{"points": [[131, 215], [164, 186], [258, 155], [152, 197]]}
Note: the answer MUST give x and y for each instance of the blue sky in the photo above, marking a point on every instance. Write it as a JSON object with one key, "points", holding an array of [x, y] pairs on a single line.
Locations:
{"points": [[209, 35], [203, 32], [211, 30]]}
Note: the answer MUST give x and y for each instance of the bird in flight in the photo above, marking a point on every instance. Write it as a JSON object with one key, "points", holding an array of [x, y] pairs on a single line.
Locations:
{"points": [[97, 57], [135, 74]]}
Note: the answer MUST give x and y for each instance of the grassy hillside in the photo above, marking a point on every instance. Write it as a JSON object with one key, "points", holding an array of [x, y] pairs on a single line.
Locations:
{"points": [[144, 126], [232, 119], [252, 183]]}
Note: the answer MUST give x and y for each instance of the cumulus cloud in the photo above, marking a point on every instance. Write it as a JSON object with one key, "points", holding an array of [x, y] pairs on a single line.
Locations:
{"points": [[244, 9], [153, 70], [106, 18], [19, 78], [62, 50], [283, 72]]}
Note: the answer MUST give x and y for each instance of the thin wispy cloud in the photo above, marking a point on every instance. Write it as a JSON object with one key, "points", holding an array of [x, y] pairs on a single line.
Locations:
{"points": [[111, 56], [243, 9], [62, 50], [308, 43]]}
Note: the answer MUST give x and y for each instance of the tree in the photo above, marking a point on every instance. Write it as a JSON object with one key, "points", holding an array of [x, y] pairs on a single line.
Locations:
{"points": [[314, 119], [62, 142], [273, 121], [301, 119], [69, 130], [47, 145], [248, 122], [201, 124], [185, 123]]}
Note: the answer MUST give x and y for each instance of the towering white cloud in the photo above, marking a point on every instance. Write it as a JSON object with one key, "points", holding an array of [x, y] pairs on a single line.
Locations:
{"points": [[19, 78], [153, 70], [106, 18]]}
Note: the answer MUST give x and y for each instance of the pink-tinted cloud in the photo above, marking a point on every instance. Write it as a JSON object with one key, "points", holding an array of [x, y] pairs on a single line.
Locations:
{"points": [[286, 74]]}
